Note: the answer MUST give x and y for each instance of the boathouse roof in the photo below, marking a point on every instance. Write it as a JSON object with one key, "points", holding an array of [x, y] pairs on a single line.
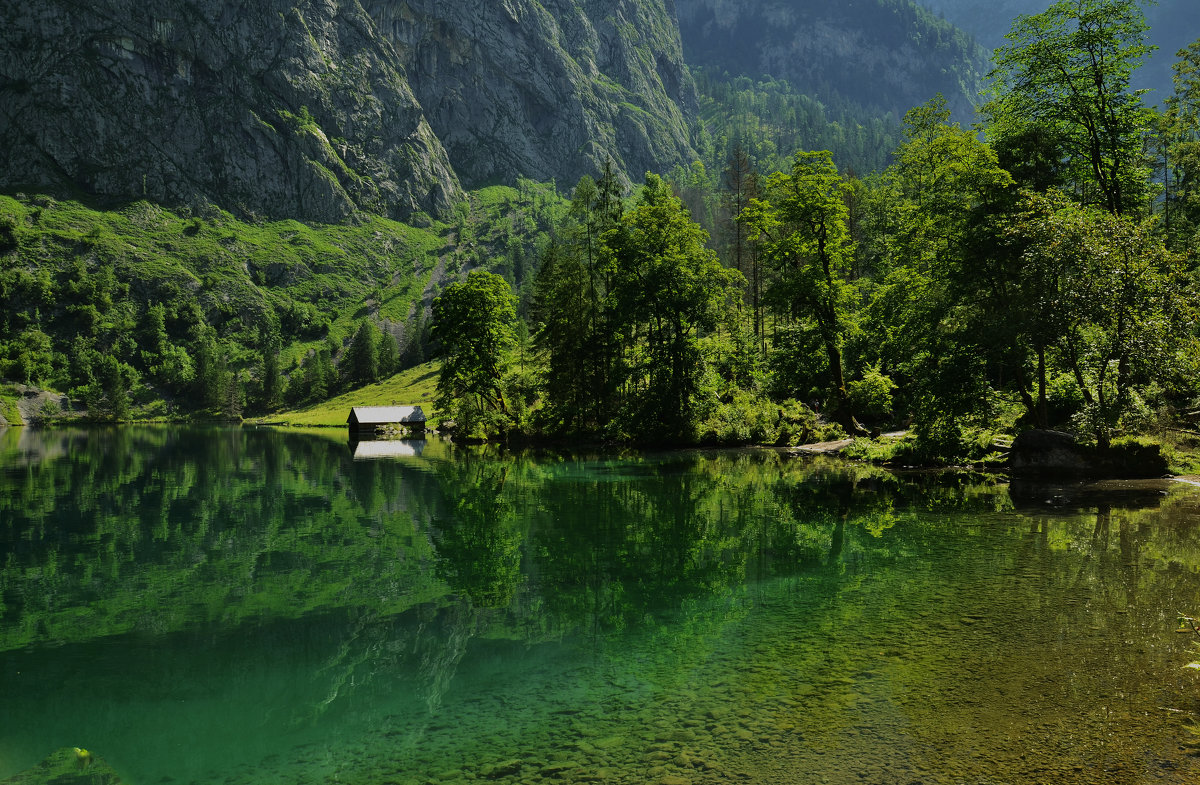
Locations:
{"points": [[385, 415]]}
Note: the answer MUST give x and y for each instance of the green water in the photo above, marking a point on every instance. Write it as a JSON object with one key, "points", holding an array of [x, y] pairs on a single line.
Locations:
{"points": [[249, 606]]}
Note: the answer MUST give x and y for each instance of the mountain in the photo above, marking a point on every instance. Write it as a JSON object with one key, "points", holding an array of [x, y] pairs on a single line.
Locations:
{"points": [[1173, 25], [884, 56], [269, 108], [323, 109], [317, 109], [556, 88]]}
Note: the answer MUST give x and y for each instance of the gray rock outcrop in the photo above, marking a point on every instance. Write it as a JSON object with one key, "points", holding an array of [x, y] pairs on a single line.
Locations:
{"points": [[1046, 453], [1049, 453], [547, 89], [272, 108]]}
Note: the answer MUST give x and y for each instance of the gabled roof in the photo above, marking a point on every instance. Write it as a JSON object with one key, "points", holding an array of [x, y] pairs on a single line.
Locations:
{"points": [[382, 415]]}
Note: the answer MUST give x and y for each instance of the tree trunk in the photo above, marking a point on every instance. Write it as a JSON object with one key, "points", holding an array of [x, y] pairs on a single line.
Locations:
{"points": [[1043, 414]]}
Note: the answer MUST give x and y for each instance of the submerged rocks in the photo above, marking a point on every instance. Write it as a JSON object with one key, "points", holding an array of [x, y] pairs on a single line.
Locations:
{"points": [[67, 766]]}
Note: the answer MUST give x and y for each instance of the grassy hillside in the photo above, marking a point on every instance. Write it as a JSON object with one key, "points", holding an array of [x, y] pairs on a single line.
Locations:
{"points": [[414, 386], [146, 312]]}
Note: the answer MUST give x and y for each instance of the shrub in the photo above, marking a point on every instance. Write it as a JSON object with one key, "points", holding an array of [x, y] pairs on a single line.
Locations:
{"points": [[8, 233], [871, 397]]}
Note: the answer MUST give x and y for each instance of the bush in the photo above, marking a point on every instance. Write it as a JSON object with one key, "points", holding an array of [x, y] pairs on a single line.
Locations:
{"points": [[8, 233], [1063, 397], [871, 397], [939, 440], [744, 419], [750, 419]]}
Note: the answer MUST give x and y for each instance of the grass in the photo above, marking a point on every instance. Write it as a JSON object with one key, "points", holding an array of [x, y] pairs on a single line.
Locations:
{"points": [[1182, 450], [976, 449], [236, 271], [8, 405], [416, 386]]}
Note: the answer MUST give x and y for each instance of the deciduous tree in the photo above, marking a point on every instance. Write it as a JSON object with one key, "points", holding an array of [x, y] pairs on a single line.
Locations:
{"points": [[802, 223], [473, 322], [1065, 77]]}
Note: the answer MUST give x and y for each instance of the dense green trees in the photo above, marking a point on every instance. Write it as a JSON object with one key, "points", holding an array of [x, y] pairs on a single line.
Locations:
{"points": [[361, 362], [575, 325], [1181, 144], [1114, 308], [623, 300], [801, 226], [169, 294], [473, 320], [1017, 282], [1035, 274], [667, 290]]}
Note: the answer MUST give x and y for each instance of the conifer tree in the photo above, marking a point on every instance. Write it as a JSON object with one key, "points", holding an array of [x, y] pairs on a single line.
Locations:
{"points": [[360, 364]]}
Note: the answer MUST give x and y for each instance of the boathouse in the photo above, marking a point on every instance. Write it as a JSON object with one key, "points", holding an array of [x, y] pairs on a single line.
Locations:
{"points": [[370, 420]]}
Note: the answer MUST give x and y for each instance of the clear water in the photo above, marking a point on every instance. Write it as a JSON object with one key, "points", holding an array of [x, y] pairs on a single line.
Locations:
{"points": [[245, 606]]}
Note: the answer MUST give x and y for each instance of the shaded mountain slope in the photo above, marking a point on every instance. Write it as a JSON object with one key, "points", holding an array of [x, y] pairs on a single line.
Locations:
{"points": [[1173, 25], [883, 55]]}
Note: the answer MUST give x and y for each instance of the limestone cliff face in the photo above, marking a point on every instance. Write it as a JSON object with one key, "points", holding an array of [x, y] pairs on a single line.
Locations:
{"points": [[270, 108], [881, 55], [547, 89], [319, 108]]}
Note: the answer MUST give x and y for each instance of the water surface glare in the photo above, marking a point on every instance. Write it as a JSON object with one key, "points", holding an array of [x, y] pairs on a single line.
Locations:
{"points": [[253, 606]]}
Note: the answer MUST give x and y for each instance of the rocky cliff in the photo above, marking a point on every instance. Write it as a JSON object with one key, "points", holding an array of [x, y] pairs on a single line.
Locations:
{"points": [[881, 55], [317, 109], [270, 108], [547, 89], [321, 108]]}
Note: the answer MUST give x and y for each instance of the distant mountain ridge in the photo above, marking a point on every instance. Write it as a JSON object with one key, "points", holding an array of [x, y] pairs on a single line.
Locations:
{"points": [[884, 55]]}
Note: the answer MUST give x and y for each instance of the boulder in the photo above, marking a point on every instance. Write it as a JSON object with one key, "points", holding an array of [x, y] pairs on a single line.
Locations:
{"points": [[67, 766], [1047, 453]]}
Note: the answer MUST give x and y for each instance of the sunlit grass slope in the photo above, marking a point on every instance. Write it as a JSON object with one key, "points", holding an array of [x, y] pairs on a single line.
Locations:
{"points": [[416, 386]]}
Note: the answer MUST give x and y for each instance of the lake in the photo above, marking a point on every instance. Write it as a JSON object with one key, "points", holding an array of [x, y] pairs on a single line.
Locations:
{"points": [[256, 606]]}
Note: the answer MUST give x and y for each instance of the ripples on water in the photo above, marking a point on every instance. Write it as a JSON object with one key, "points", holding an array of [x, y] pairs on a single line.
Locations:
{"points": [[248, 606]]}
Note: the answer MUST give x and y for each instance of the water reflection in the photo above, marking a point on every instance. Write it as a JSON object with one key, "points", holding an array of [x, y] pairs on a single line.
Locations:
{"points": [[387, 448], [260, 605]]}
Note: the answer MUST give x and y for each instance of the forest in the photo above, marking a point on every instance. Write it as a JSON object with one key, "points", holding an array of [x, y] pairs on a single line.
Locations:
{"points": [[1038, 270]]}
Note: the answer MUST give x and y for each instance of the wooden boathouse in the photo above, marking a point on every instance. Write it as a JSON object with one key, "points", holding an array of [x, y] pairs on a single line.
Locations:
{"points": [[371, 420]]}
